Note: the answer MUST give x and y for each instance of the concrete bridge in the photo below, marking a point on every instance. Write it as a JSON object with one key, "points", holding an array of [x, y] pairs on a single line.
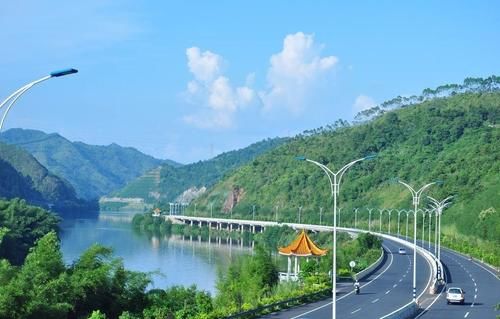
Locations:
{"points": [[240, 224]]}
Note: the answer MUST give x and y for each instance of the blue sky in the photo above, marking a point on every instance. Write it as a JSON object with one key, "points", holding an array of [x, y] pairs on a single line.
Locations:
{"points": [[186, 80]]}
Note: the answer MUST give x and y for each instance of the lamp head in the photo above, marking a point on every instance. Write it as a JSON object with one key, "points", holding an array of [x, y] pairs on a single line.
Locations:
{"points": [[63, 72], [300, 158]]}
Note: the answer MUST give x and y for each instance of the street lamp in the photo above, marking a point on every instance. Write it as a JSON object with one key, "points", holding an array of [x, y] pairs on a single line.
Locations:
{"points": [[300, 210], [416, 198], [370, 219], [355, 217], [277, 213], [17, 94], [407, 213], [320, 214], [399, 214], [380, 221], [390, 211], [423, 227], [430, 226], [439, 206], [334, 179]]}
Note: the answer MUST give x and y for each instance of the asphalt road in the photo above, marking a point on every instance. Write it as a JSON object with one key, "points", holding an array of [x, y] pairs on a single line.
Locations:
{"points": [[387, 289], [481, 285]]}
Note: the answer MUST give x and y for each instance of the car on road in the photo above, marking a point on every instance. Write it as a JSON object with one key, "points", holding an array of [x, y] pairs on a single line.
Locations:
{"points": [[455, 295], [402, 251]]}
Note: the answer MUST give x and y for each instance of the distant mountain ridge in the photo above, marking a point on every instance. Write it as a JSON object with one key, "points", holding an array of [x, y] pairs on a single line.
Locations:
{"points": [[168, 182], [93, 170], [21, 175]]}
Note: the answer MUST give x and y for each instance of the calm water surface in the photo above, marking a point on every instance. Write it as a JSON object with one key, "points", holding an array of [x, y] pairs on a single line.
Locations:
{"points": [[180, 260]]}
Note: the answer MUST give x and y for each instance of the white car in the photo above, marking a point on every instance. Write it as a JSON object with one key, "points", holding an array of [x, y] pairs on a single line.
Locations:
{"points": [[402, 251], [455, 295]]}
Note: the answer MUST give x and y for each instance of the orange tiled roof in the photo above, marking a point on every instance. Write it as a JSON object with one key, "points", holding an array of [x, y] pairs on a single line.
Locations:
{"points": [[302, 246]]}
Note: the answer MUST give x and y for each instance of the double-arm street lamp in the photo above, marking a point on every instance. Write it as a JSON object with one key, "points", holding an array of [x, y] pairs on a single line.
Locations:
{"points": [[399, 214], [335, 179], [370, 219], [439, 206], [416, 199], [17, 94]]}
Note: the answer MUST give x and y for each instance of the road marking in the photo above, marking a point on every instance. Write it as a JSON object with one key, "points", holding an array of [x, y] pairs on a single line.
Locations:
{"points": [[400, 280], [327, 304], [475, 284], [475, 289], [466, 314], [388, 291], [475, 296], [356, 310], [394, 286], [374, 301]]}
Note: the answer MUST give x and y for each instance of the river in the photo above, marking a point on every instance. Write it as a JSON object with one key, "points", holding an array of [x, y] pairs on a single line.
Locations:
{"points": [[178, 260]]}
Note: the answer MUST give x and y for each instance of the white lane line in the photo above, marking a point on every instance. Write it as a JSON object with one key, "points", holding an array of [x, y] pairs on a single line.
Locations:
{"points": [[400, 280], [466, 314], [475, 284], [388, 291], [327, 304], [356, 310], [475, 296], [374, 301], [394, 286], [475, 290], [472, 261]]}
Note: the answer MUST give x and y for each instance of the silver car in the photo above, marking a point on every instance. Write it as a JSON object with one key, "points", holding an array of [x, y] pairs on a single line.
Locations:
{"points": [[402, 251], [455, 295]]}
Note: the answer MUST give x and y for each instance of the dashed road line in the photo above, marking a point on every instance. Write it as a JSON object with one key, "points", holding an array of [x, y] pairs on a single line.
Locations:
{"points": [[466, 314], [356, 310], [374, 301], [388, 291]]}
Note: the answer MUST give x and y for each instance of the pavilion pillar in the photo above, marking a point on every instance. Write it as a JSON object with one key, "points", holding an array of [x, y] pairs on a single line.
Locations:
{"points": [[295, 267], [289, 268]]}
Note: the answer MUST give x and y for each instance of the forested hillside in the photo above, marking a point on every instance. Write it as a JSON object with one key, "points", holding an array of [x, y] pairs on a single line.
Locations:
{"points": [[21, 175], [169, 181], [92, 170], [455, 139]]}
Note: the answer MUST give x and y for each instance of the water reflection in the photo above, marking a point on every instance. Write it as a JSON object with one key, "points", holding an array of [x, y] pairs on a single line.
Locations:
{"points": [[183, 260]]}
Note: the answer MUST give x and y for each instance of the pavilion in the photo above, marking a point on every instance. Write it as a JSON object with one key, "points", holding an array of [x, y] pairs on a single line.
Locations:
{"points": [[302, 246]]}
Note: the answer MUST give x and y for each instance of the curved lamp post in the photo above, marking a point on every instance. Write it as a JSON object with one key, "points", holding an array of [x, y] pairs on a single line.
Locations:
{"points": [[17, 94], [335, 179], [370, 219], [439, 206], [416, 199]]}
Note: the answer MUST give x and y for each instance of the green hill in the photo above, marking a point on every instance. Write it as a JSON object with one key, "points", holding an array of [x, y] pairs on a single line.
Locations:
{"points": [[92, 170], [21, 175], [455, 139], [164, 184]]}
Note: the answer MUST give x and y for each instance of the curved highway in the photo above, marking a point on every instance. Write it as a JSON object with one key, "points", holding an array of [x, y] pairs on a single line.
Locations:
{"points": [[481, 285], [387, 289]]}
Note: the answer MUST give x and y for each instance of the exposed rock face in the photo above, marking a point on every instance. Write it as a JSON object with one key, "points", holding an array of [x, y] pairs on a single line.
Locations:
{"points": [[233, 198], [189, 194]]}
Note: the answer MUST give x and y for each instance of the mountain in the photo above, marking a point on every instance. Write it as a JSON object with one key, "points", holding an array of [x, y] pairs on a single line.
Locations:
{"points": [[454, 138], [92, 170], [168, 182], [21, 175]]}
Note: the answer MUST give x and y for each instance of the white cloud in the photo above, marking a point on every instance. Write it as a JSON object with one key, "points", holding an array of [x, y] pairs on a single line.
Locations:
{"points": [[294, 73], [205, 66], [363, 102], [213, 91]]}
